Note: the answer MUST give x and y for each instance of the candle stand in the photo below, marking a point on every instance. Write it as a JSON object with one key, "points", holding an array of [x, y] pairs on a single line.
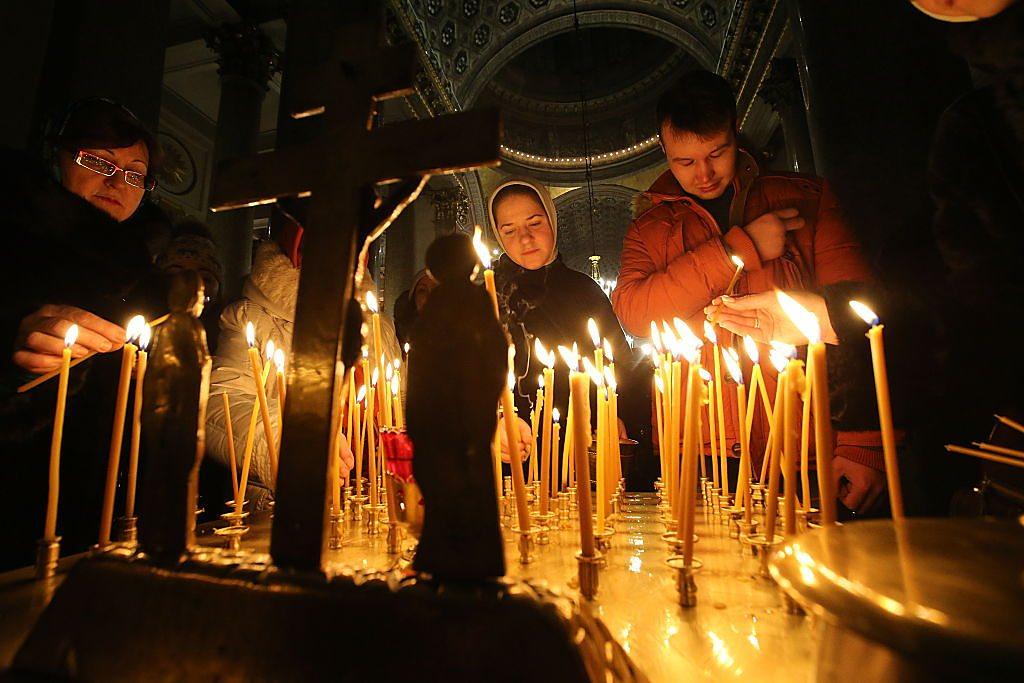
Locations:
{"points": [[686, 585], [542, 525], [336, 535], [525, 543], [126, 529], [394, 538], [588, 569], [47, 554]]}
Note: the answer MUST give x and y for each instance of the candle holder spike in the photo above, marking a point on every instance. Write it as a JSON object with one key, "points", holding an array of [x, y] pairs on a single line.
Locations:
{"points": [[47, 554], [525, 544], [394, 538], [335, 539], [588, 569], [761, 547], [126, 529]]}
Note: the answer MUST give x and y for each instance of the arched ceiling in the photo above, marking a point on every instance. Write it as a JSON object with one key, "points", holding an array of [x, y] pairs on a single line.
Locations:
{"points": [[524, 57]]}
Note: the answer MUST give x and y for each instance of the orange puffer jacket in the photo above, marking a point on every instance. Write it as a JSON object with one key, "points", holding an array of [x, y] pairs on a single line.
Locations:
{"points": [[675, 260]]}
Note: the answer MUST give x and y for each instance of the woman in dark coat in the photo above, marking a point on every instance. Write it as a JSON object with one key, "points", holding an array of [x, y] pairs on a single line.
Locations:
{"points": [[76, 233], [542, 298]]}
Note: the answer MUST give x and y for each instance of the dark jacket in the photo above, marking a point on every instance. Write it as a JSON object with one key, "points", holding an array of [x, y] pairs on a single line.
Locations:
{"points": [[62, 250], [553, 304]]}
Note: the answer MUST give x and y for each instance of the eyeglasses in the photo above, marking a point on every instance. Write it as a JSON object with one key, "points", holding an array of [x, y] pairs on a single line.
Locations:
{"points": [[107, 168]]}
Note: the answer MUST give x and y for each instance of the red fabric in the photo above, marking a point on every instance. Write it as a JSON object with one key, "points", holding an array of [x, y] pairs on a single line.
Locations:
{"points": [[675, 260], [289, 237]]}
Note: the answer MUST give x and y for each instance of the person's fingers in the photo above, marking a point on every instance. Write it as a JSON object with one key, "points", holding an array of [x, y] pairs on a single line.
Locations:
{"points": [[787, 213], [740, 317], [750, 302], [855, 496], [793, 223], [41, 342], [36, 363], [758, 334], [870, 500], [88, 338], [115, 334]]}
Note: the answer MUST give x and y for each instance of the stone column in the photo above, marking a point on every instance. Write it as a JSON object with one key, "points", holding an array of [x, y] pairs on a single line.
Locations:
{"points": [[781, 91], [247, 61]]}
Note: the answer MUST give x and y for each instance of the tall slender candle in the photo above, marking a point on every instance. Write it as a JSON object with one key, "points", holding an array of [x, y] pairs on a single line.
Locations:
{"points": [[569, 358], [378, 354], [595, 336], [396, 397], [514, 459], [723, 450], [555, 431], [775, 458], [791, 425], [805, 440], [659, 410], [141, 360], [229, 430], [738, 262], [371, 439], [250, 444], [485, 261], [349, 414], [614, 454], [691, 446], [602, 417], [357, 428], [757, 386], [579, 381], [675, 411], [281, 390], [713, 428], [548, 359], [53, 492], [892, 470], [732, 364], [367, 409], [261, 396], [809, 326]]}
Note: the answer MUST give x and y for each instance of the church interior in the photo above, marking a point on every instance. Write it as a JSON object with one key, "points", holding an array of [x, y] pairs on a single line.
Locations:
{"points": [[513, 340]]}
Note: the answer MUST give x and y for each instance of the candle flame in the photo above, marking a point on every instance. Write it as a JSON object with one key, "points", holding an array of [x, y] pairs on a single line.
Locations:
{"points": [[866, 314], [709, 332], [395, 385], [608, 355], [543, 355], [570, 358], [134, 328], [645, 349], [779, 359], [705, 375], [655, 358], [481, 249], [668, 338], [737, 261], [145, 336], [660, 384], [690, 353], [787, 350], [540, 381], [362, 394], [389, 372], [732, 362], [366, 351], [511, 380], [656, 337], [609, 378], [372, 303], [374, 377], [406, 348], [595, 335], [595, 376], [250, 334], [268, 351], [555, 415], [751, 348], [805, 321], [686, 334], [397, 363], [71, 336], [279, 359]]}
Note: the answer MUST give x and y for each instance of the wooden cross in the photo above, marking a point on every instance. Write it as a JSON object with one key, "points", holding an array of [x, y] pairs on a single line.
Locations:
{"points": [[338, 172]]}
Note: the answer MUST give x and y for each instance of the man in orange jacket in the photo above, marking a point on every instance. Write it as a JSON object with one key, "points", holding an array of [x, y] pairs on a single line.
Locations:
{"points": [[787, 228]]}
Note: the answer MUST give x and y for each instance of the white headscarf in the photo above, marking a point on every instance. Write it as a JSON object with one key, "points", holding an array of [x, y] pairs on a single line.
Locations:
{"points": [[545, 200]]}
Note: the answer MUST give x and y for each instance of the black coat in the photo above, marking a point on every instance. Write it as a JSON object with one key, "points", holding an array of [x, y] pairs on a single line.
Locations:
{"points": [[553, 304], [62, 250]]}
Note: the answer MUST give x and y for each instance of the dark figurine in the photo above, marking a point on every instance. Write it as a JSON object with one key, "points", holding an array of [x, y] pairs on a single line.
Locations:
{"points": [[174, 417], [457, 369]]}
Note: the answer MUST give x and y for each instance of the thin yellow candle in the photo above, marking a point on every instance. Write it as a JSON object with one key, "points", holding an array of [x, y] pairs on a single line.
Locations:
{"points": [[514, 459], [691, 446], [141, 360], [892, 470], [794, 380], [570, 359], [281, 389], [548, 359], [357, 428], [757, 386], [385, 393], [229, 430], [485, 259], [713, 428], [261, 396], [723, 450], [396, 397], [595, 336], [53, 492], [602, 417], [133, 329], [535, 415], [659, 409], [775, 458], [808, 325], [738, 262], [250, 444], [371, 441], [378, 352], [612, 426], [732, 364], [349, 416], [675, 411], [555, 433], [580, 385], [805, 440], [367, 409]]}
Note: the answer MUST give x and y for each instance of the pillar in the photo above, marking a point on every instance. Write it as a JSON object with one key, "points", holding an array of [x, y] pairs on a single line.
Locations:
{"points": [[247, 60], [781, 91]]}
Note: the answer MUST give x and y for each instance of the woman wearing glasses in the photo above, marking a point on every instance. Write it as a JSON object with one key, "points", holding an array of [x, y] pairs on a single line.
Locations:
{"points": [[77, 239]]}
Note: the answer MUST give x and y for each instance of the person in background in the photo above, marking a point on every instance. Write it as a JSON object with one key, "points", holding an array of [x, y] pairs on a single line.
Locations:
{"points": [[410, 302]]}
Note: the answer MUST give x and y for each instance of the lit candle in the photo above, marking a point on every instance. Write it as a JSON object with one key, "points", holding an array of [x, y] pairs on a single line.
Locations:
{"points": [[732, 364], [602, 418], [738, 262], [580, 392], [709, 332], [349, 416], [595, 336], [512, 438], [808, 325], [396, 396], [53, 493], [571, 361], [281, 387], [548, 359], [128, 351], [713, 429], [141, 359], [775, 458], [612, 427], [229, 430], [892, 470], [555, 433], [485, 260], [261, 396], [250, 444], [757, 388], [794, 382], [659, 393], [378, 352], [805, 440], [691, 438], [357, 429], [367, 409], [535, 428]]}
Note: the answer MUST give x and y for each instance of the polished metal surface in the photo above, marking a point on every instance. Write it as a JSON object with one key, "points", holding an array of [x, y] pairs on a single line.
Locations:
{"points": [[930, 588]]}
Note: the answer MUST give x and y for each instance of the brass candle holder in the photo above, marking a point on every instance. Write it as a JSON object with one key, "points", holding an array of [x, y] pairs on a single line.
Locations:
{"points": [[47, 555], [373, 515], [126, 530], [686, 584], [358, 503], [234, 531], [762, 548], [588, 569], [542, 526], [394, 538], [574, 505], [337, 535], [603, 541], [525, 543]]}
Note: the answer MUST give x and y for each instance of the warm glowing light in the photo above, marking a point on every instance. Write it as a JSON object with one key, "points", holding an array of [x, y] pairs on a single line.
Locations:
{"points": [[866, 314], [397, 363], [787, 350], [656, 337], [250, 334], [751, 348], [656, 358], [145, 336], [668, 338], [279, 359], [686, 334], [268, 350], [374, 377], [737, 261], [481, 249], [362, 394], [705, 375], [595, 335], [658, 382], [608, 355], [805, 321], [366, 351], [371, 302], [732, 362], [596, 377], [778, 359], [645, 349], [555, 415], [71, 336], [543, 354], [134, 328], [570, 358], [709, 332], [395, 385], [609, 378], [406, 347], [511, 380], [389, 372]]}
